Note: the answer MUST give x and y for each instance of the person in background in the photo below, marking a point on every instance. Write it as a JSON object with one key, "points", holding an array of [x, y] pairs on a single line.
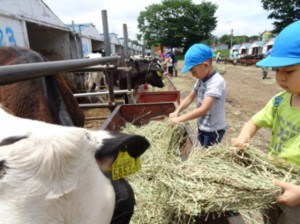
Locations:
{"points": [[264, 69], [163, 63], [163, 55], [174, 59], [282, 115], [210, 92], [235, 56], [219, 57], [169, 63]]}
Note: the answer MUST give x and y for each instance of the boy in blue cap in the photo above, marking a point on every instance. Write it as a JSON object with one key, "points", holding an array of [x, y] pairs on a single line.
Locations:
{"points": [[210, 91], [282, 115]]}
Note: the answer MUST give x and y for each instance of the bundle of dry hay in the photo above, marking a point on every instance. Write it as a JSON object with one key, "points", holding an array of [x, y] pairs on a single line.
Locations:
{"points": [[170, 190]]}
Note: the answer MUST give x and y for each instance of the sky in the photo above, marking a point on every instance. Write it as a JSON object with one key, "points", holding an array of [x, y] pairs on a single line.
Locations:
{"points": [[242, 17]]}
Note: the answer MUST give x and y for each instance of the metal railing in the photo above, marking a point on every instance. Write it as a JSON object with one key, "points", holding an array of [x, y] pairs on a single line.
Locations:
{"points": [[21, 72]]}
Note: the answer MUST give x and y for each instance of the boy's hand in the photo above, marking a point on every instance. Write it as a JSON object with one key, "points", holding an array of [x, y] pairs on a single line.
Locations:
{"points": [[174, 120], [174, 114], [241, 142], [291, 193]]}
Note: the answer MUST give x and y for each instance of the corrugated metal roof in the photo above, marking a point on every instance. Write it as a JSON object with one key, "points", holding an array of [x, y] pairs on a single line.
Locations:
{"points": [[245, 46], [271, 41], [236, 46], [258, 43], [113, 38], [35, 11], [86, 29]]}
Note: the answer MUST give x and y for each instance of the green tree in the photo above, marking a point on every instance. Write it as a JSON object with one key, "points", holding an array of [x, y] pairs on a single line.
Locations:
{"points": [[283, 12], [225, 39], [211, 40], [177, 23]]}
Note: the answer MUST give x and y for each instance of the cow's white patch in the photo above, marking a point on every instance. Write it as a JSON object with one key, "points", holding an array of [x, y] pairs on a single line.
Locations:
{"points": [[51, 176]]}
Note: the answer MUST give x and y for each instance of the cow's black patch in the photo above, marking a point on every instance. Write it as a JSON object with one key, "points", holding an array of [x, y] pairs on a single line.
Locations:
{"points": [[135, 145], [12, 140], [3, 168]]}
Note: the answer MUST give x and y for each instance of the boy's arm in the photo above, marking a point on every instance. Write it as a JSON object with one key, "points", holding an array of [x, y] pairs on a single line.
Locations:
{"points": [[247, 132], [291, 194], [184, 103], [198, 112]]}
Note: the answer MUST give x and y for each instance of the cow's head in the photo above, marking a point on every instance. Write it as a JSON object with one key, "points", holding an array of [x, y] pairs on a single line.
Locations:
{"points": [[154, 75], [48, 169]]}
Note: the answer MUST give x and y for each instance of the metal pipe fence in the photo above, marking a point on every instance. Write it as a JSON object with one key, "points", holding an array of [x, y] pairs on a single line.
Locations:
{"points": [[21, 72], [101, 93]]}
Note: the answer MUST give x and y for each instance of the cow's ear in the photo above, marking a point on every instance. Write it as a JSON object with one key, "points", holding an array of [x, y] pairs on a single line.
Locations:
{"points": [[135, 145]]}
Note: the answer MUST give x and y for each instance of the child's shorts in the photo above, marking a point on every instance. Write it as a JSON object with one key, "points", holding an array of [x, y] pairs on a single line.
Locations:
{"points": [[207, 139]]}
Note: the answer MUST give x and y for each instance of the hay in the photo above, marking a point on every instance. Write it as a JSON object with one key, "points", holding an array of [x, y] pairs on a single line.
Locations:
{"points": [[169, 190]]}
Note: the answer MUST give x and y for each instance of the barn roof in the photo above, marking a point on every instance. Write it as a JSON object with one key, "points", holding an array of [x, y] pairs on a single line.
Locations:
{"points": [[35, 11], [245, 45], [271, 41], [236, 46], [86, 29], [113, 38], [258, 43]]}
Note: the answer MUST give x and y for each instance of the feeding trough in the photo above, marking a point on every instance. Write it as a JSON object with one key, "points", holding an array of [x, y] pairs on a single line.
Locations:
{"points": [[142, 114], [159, 96]]}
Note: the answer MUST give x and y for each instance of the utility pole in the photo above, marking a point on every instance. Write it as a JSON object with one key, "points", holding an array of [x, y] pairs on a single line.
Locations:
{"points": [[231, 38]]}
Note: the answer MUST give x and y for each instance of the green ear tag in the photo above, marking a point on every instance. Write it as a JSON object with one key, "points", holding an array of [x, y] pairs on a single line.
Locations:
{"points": [[125, 165]]}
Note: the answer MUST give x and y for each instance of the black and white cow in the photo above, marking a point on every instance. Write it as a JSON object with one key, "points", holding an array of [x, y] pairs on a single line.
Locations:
{"points": [[142, 72], [49, 173], [50, 100], [93, 80]]}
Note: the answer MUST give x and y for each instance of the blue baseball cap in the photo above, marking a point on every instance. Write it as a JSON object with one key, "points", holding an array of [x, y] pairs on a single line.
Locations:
{"points": [[195, 55], [286, 48]]}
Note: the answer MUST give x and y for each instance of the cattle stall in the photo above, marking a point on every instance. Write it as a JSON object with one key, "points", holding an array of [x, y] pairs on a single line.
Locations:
{"points": [[14, 73], [33, 25]]}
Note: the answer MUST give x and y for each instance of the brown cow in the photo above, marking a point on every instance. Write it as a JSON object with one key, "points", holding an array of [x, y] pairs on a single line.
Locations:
{"points": [[47, 99]]}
